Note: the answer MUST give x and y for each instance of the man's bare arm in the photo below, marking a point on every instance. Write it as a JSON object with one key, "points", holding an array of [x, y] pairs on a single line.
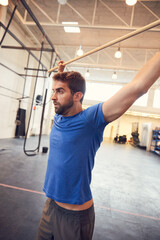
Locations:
{"points": [[126, 96]]}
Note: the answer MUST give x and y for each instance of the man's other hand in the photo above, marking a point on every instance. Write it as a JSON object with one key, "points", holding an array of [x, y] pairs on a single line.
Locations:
{"points": [[61, 66]]}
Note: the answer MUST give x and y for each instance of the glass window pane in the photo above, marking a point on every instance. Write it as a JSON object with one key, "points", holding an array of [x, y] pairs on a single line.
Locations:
{"points": [[156, 102], [100, 92], [142, 101]]}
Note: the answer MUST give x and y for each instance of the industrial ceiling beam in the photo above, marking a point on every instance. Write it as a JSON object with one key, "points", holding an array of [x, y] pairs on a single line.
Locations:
{"points": [[109, 27], [28, 48]]}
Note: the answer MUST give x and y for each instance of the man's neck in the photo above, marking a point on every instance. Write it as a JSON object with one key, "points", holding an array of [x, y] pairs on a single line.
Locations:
{"points": [[73, 110]]}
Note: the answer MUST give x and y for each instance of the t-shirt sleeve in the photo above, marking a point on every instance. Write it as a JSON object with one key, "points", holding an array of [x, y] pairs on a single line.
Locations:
{"points": [[94, 115]]}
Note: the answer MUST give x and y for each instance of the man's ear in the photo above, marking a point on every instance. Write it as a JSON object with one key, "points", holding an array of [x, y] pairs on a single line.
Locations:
{"points": [[78, 96]]}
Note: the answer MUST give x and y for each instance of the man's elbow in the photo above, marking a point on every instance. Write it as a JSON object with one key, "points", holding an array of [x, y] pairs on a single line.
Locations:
{"points": [[143, 91], [140, 90]]}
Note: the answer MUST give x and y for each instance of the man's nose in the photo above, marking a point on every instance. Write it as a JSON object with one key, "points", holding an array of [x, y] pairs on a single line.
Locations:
{"points": [[54, 96]]}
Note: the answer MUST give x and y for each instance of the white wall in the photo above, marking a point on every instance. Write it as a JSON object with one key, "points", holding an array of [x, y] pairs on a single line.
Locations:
{"points": [[9, 105], [17, 60]]}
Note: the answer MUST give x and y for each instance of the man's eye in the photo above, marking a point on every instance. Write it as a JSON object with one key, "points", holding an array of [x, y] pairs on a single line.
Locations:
{"points": [[61, 91]]}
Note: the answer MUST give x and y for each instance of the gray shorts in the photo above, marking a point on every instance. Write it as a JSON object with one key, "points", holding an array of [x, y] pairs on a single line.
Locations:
{"points": [[58, 223]]}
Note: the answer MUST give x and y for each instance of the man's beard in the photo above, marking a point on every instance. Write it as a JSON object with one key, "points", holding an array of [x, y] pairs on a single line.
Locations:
{"points": [[63, 109]]}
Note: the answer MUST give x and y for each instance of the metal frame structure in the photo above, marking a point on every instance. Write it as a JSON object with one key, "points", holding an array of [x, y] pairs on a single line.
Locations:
{"points": [[41, 67]]}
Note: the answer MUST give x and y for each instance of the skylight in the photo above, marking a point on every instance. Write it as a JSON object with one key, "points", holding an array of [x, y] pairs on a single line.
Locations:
{"points": [[71, 29]]}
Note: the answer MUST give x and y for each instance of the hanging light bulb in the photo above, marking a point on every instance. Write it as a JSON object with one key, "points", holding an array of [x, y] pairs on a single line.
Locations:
{"points": [[131, 2], [87, 74], [114, 76], [4, 2], [118, 53], [80, 51], [62, 2]]}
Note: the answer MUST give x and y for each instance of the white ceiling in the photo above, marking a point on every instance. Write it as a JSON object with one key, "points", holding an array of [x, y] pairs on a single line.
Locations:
{"points": [[100, 22]]}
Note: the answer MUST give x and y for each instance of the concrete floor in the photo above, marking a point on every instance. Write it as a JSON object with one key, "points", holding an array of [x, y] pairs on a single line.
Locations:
{"points": [[125, 185]]}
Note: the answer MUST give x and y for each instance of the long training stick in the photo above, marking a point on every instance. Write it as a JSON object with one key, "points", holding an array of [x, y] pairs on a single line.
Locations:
{"points": [[120, 39]]}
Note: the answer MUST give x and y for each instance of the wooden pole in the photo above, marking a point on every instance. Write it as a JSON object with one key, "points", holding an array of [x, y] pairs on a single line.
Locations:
{"points": [[120, 39]]}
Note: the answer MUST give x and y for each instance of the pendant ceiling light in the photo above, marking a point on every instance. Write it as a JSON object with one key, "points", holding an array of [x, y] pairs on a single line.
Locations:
{"points": [[131, 2], [87, 74], [4, 2], [118, 53], [114, 76], [62, 2], [80, 51]]}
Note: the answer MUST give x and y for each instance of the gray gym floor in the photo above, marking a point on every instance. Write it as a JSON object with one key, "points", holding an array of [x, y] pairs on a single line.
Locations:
{"points": [[125, 185]]}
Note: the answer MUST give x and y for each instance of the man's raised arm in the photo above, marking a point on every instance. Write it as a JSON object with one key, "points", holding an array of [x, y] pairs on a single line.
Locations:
{"points": [[126, 96]]}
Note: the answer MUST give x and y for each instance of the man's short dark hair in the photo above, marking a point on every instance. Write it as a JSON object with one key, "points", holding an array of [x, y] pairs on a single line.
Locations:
{"points": [[75, 81]]}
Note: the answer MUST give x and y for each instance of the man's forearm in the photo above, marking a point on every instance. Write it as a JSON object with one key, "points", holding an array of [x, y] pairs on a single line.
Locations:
{"points": [[148, 74]]}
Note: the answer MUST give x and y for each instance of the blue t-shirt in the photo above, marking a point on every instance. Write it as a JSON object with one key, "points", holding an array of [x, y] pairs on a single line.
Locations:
{"points": [[74, 141]]}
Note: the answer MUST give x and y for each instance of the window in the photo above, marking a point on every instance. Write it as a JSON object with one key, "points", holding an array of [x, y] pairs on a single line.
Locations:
{"points": [[100, 92], [156, 101], [142, 101]]}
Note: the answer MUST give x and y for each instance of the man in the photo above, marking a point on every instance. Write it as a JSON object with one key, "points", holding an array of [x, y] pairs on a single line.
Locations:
{"points": [[76, 135]]}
